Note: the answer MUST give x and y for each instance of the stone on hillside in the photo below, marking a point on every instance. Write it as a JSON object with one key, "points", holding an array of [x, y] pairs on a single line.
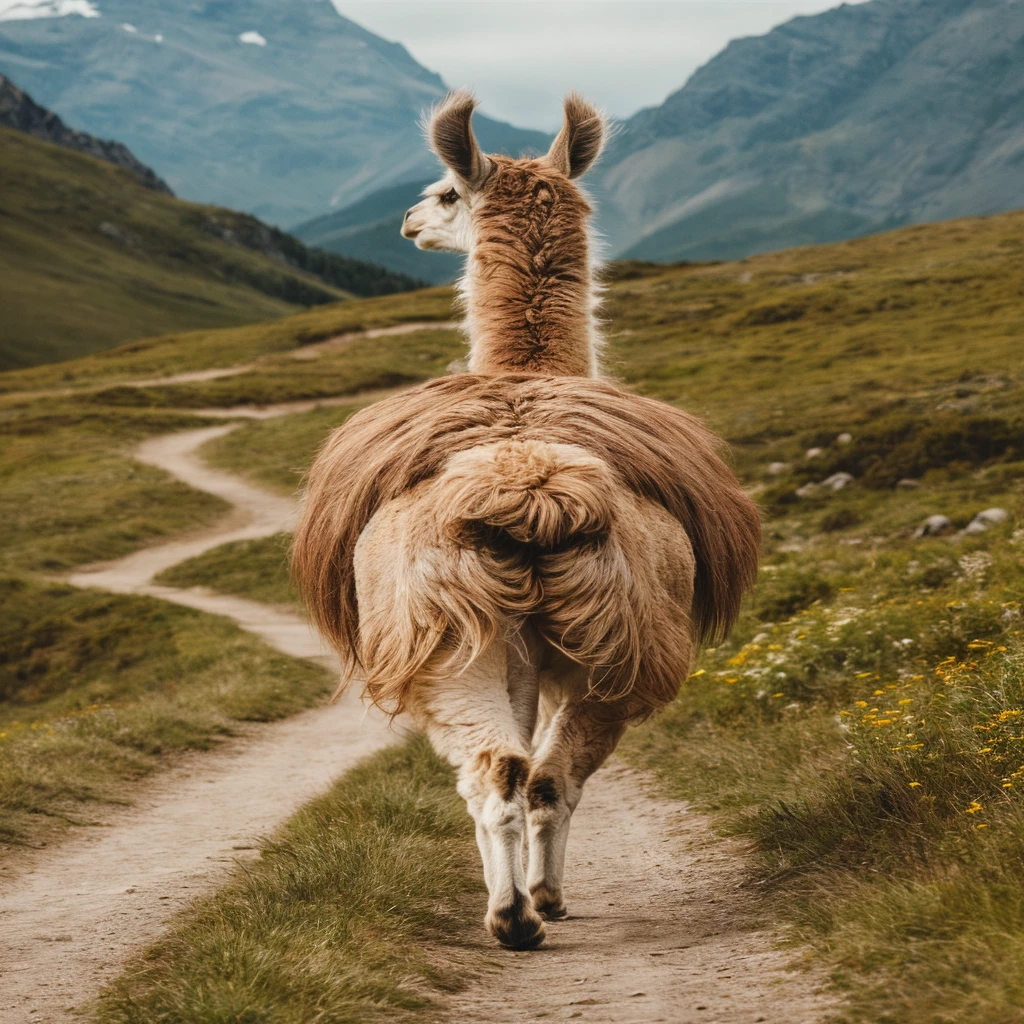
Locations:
{"points": [[778, 468], [837, 481], [807, 491], [907, 484], [983, 520], [813, 453], [935, 526], [992, 516], [844, 438]]}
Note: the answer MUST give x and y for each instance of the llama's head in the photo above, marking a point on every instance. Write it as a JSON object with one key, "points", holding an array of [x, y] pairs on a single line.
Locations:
{"points": [[445, 218]]}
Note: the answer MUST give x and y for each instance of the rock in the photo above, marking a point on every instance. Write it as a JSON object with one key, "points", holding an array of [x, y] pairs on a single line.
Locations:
{"points": [[992, 516], [935, 526], [837, 481], [778, 468], [907, 484], [844, 438], [973, 527], [983, 520], [813, 453], [807, 490]]}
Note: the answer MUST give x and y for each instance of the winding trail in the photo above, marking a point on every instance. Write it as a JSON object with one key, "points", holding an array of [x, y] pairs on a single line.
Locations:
{"points": [[660, 929], [71, 916], [660, 926]]}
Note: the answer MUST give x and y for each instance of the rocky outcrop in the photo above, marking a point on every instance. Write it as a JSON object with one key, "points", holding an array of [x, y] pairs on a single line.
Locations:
{"points": [[861, 118], [19, 111]]}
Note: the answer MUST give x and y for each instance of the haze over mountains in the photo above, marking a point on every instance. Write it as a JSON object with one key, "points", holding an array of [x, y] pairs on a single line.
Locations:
{"points": [[854, 120], [284, 110], [857, 119]]}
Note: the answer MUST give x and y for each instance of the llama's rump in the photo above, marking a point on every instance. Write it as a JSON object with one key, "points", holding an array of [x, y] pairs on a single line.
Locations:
{"points": [[654, 454]]}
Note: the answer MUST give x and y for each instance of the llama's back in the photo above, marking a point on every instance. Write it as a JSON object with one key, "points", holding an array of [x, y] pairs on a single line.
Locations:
{"points": [[438, 519]]}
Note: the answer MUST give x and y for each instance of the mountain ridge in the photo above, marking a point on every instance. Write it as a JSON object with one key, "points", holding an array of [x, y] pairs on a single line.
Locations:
{"points": [[854, 120], [19, 111], [321, 114]]}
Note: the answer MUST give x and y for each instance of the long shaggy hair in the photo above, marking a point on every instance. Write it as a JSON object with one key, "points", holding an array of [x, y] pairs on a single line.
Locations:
{"points": [[540, 480]]}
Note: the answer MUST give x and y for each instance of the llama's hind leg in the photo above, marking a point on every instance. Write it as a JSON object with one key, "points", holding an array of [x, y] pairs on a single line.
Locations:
{"points": [[470, 720], [576, 743]]}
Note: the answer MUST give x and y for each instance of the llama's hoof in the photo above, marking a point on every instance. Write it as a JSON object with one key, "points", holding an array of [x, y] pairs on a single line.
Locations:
{"points": [[517, 926], [548, 903]]}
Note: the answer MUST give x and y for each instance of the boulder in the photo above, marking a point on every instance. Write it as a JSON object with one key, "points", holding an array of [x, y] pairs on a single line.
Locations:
{"points": [[837, 481], [844, 438], [907, 484], [778, 468], [983, 520], [813, 453], [935, 526]]}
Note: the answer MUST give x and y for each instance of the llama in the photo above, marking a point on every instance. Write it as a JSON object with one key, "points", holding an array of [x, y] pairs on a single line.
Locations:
{"points": [[524, 558]]}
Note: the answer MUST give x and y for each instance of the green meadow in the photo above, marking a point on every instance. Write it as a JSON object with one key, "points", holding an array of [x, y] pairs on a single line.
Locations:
{"points": [[862, 729]]}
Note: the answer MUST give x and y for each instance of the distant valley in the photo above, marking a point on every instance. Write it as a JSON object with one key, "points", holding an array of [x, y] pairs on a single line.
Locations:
{"points": [[95, 252], [852, 121], [285, 110]]}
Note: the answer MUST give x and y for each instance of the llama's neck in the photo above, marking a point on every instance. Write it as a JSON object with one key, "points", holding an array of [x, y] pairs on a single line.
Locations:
{"points": [[528, 289]]}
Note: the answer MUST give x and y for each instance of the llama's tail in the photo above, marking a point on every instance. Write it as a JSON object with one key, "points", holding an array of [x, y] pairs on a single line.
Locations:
{"points": [[525, 530], [535, 493]]}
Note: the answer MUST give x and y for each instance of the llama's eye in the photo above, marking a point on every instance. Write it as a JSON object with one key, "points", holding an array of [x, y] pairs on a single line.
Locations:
{"points": [[449, 197]]}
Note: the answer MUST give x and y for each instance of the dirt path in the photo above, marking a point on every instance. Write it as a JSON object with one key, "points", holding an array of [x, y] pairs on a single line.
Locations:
{"points": [[70, 917], [659, 930]]}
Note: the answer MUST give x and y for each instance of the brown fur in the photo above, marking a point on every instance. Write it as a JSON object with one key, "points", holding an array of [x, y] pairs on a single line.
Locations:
{"points": [[451, 137], [581, 139], [605, 599], [529, 276]]}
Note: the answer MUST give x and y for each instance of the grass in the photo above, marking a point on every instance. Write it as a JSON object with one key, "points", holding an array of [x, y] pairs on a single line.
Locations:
{"points": [[92, 259], [72, 494], [908, 341], [168, 354], [96, 689], [257, 569], [861, 728], [356, 911]]}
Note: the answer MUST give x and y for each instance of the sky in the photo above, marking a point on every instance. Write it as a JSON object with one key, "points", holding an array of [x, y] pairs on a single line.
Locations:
{"points": [[521, 56]]}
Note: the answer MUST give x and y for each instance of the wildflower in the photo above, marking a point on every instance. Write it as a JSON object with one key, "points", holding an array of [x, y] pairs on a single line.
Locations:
{"points": [[878, 693], [862, 703], [985, 750], [974, 808], [905, 701], [1007, 785], [914, 785], [699, 672], [862, 675], [981, 826], [776, 694]]}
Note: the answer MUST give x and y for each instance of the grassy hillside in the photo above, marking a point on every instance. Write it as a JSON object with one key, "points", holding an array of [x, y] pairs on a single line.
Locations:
{"points": [[90, 258], [861, 727]]}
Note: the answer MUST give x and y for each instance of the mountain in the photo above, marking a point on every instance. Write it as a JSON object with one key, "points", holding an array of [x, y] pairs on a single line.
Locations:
{"points": [[863, 117], [282, 109], [91, 257], [19, 111], [370, 229]]}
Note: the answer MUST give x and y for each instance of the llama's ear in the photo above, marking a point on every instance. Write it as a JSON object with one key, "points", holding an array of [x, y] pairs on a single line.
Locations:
{"points": [[581, 139], [450, 131]]}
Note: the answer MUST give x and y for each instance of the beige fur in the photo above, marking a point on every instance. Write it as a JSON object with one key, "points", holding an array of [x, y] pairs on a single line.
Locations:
{"points": [[524, 558]]}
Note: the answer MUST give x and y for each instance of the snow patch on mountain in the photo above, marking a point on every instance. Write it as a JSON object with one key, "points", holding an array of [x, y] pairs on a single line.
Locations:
{"points": [[22, 10]]}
